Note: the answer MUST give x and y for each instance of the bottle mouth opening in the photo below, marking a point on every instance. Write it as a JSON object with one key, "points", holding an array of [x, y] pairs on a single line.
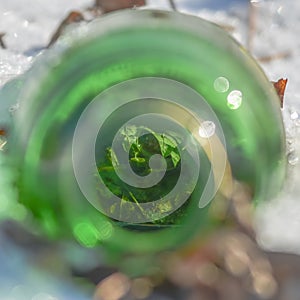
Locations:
{"points": [[115, 112]]}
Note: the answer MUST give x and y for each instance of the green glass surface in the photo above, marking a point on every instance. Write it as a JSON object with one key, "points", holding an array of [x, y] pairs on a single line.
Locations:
{"points": [[137, 45]]}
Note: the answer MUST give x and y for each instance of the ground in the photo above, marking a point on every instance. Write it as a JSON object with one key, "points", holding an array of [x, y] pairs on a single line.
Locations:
{"points": [[28, 26]]}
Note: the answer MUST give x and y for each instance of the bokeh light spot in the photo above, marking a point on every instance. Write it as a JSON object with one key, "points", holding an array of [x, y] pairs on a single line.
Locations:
{"points": [[234, 99], [86, 234], [221, 84], [105, 230], [113, 287], [207, 129], [141, 288]]}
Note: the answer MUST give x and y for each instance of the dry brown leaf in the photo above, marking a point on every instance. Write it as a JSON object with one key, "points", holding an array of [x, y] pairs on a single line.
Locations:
{"points": [[280, 86]]}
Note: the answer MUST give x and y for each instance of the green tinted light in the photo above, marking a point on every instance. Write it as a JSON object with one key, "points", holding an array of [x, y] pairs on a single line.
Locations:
{"points": [[136, 123]]}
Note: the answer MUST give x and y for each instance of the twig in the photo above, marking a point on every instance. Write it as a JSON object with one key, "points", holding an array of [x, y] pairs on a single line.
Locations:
{"points": [[251, 24], [269, 58], [2, 44], [112, 5], [73, 17], [227, 27], [173, 5]]}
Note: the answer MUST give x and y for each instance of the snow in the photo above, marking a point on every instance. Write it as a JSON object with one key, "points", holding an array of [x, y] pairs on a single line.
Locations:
{"points": [[28, 26]]}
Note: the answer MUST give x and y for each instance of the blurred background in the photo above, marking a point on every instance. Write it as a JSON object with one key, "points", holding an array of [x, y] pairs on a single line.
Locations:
{"points": [[36, 269]]}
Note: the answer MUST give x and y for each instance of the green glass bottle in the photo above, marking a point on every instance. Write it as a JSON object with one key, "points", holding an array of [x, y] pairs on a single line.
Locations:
{"points": [[134, 124]]}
